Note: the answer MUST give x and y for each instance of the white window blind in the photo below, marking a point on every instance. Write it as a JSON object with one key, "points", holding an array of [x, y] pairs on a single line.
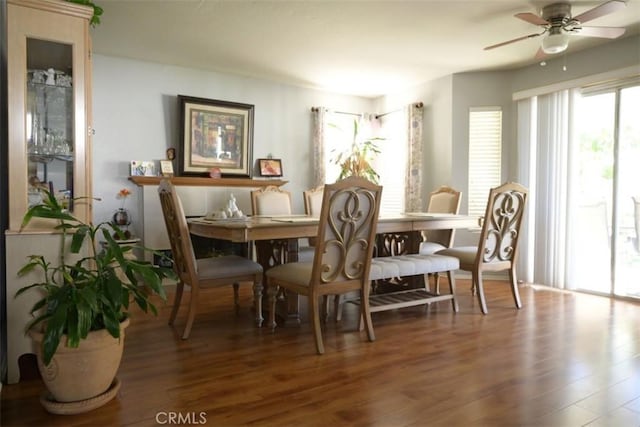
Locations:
{"points": [[392, 161], [485, 156]]}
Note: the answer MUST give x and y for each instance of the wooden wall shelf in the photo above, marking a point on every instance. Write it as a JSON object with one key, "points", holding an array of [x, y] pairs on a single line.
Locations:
{"points": [[209, 182]]}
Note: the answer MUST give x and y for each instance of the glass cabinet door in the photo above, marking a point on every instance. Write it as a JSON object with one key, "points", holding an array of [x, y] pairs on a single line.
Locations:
{"points": [[49, 120], [48, 76]]}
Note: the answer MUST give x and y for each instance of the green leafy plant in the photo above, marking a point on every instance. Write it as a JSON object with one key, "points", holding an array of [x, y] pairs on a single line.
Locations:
{"points": [[356, 161], [97, 10], [88, 294]]}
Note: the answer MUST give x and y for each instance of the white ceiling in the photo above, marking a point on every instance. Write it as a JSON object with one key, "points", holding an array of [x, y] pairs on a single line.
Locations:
{"points": [[365, 48]]}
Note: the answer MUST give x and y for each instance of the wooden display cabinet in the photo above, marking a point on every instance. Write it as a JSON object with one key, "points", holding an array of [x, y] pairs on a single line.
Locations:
{"points": [[49, 110]]}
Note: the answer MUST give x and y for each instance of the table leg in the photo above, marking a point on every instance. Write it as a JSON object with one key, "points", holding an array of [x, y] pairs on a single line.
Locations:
{"points": [[270, 253]]}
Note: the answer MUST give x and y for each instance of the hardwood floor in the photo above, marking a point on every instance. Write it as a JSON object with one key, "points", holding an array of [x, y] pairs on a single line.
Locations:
{"points": [[564, 359]]}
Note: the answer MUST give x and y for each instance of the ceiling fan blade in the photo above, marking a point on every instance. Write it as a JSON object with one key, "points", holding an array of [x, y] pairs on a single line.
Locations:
{"points": [[598, 11], [530, 36], [604, 32], [531, 18]]}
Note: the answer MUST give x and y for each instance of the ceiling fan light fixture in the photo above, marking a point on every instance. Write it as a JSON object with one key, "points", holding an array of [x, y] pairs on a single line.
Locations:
{"points": [[555, 42]]}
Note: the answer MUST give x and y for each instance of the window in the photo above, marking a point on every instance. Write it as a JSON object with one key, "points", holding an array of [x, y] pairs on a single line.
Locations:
{"points": [[390, 164], [338, 136], [392, 161], [485, 156]]}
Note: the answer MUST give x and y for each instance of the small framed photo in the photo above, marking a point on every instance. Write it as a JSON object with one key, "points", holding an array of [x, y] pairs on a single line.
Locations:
{"points": [[166, 167], [270, 167], [143, 168]]}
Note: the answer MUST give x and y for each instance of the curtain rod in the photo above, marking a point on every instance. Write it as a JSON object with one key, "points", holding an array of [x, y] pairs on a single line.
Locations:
{"points": [[314, 109], [417, 105], [377, 116]]}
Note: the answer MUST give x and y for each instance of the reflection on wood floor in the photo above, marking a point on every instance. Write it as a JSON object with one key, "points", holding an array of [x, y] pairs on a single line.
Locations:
{"points": [[565, 359]]}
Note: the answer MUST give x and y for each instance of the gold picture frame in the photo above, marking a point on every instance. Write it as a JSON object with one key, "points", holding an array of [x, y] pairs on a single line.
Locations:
{"points": [[215, 134]]}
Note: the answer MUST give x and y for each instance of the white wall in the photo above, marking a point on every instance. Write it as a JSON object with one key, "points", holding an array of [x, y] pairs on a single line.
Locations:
{"points": [[135, 114], [437, 150], [616, 55]]}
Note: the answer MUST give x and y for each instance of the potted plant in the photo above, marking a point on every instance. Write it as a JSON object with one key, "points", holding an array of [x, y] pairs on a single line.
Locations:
{"points": [[84, 307], [356, 161]]}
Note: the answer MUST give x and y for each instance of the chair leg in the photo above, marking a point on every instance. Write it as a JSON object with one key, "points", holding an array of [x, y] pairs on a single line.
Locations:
{"points": [[452, 288], [480, 291], [272, 292], [325, 308], [338, 303], [427, 287], [176, 302], [365, 312], [236, 297], [315, 322], [257, 300], [427, 283], [514, 286], [193, 306], [436, 282]]}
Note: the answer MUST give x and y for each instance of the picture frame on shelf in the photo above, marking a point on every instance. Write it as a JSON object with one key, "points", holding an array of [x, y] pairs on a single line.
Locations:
{"points": [[143, 168], [166, 167], [214, 134], [271, 168]]}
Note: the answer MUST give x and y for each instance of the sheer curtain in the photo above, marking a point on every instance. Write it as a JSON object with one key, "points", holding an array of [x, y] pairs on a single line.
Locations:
{"points": [[317, 139], [544, 166], [413, 189]]}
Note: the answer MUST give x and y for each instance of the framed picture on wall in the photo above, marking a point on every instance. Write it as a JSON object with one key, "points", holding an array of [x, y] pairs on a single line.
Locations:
{"points": [[270, 167], [214, 134]]}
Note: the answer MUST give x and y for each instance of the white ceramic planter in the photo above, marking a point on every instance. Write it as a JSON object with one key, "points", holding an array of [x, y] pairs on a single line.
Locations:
{"points": [[79, 374]]}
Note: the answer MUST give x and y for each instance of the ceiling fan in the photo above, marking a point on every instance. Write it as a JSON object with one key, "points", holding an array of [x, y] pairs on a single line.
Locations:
{"points": [[558, 25]]}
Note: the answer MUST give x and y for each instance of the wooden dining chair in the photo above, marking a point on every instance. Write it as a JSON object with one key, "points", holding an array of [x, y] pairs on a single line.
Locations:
{"points": [[345, 241], [312, 205], [313, 200], [273, 200], [497, 249], [206, 272], [445, 200]]}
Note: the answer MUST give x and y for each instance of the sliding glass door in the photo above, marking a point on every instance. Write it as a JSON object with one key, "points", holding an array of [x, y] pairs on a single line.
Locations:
{"points": [[627, 194], [604, 243]]}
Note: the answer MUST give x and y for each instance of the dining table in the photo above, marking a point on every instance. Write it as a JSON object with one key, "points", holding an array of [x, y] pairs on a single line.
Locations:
{"points": [[276, 236], [263, 228]]}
